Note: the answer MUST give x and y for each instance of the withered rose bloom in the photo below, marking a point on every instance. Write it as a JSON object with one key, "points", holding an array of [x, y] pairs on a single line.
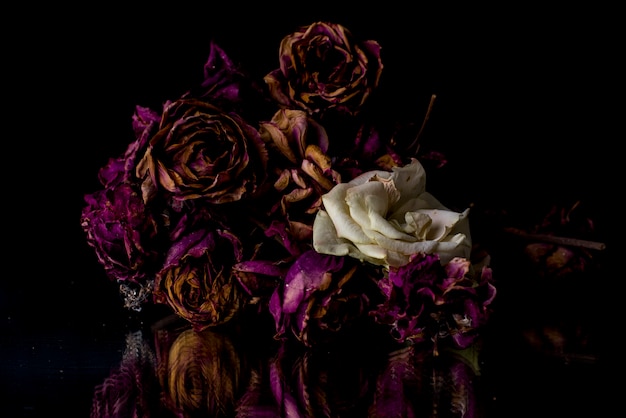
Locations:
{"points": [[290, 131], [302, 171], [122, 233], [197, 281], [322, 298], [435, 304], [301, 145], [323, 66], [384, 217], [120, 228], [202, 152]]}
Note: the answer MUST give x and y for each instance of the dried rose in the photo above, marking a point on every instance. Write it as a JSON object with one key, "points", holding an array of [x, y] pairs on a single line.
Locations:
{"points": [[385, 217], [122, 233], [120, 228], [322, 296], [197, 281], [322, 66], [202, 152], [291, 131], [428, 302], [303, 171]]}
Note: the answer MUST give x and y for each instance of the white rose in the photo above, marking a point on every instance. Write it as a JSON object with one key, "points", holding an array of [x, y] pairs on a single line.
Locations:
{"points": [[384, 217]]}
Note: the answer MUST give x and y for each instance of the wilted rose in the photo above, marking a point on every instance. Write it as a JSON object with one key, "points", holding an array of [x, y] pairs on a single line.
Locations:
{"points": [[302, 171], [323, 67], [122, 232], [322, 297], [202, 152], [197, 280], [384, 217], [432, 303], [120, 228]]}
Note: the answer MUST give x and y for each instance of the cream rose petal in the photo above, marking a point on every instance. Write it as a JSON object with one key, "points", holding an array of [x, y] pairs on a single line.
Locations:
{"points": [[368, 204], [405, 247], [325, 239], [337, 209], [442, 223], [372, 253], [423, 201], [455, 246], [416, 224], [410, 180], [396, 259]]}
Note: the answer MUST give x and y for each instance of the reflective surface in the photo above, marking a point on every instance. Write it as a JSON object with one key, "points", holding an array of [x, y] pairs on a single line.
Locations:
{"points": [[171, 369]]}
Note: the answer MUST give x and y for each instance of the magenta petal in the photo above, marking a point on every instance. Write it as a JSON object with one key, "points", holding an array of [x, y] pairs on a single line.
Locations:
{"points": [[457, 268], [266, 267], [305, 276], [276, 309]]}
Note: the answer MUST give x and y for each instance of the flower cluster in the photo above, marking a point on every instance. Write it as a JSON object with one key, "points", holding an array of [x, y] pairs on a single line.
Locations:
{"points": [[290, 198]]}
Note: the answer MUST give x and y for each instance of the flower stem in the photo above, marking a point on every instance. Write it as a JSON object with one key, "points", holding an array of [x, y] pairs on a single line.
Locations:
{"points": [[572, 242]]}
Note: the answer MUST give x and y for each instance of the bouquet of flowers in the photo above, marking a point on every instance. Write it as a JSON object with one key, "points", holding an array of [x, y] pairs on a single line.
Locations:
{"points": [[292, 198]]}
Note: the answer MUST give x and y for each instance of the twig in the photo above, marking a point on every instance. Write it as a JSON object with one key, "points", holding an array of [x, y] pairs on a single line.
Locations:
{"points": [[572, 242], [426, 117]]}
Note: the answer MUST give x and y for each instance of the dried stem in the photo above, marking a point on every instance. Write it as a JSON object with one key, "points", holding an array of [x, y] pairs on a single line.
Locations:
{"points": [[428, 112], [572, 242]]}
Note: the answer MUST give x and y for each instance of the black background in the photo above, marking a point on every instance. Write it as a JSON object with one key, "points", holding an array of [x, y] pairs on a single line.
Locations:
{"points": [[525, 112]]}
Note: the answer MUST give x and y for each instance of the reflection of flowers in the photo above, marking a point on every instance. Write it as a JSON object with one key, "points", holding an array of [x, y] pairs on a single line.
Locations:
{"points": [[409, 373], [132, 389], [203, 374], [294, 198], [209, 373], [357, 382], [316, 383], [300, 382]]}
